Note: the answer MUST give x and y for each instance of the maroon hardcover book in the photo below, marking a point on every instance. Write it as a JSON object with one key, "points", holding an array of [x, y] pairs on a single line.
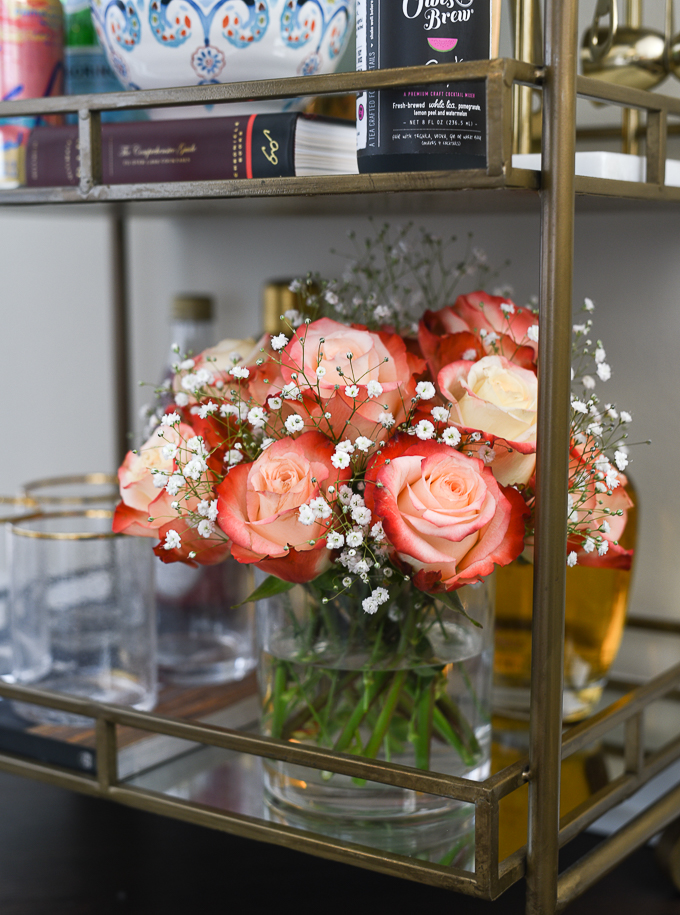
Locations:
{"points": [[201, 149]]}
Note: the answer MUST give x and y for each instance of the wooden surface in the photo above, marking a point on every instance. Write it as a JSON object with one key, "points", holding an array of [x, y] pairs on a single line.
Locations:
{"points": [[63, 854]]}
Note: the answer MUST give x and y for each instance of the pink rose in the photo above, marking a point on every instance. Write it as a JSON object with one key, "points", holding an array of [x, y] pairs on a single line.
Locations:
{"points": [[499, 399], [146, 508], [477, 323], [259, 507], [444, 514], [587, 511], [351, 373]]}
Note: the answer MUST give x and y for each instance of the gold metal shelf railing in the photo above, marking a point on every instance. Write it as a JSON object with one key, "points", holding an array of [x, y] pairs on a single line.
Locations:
{"points": [[500, 76], [491, 876]]}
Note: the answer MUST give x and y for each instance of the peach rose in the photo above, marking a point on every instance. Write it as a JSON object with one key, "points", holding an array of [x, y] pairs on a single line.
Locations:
{"points": [[477, 324], [352, 373], [444, 514], [214, 365], [499, 399], [259, 507], [146, 508]]}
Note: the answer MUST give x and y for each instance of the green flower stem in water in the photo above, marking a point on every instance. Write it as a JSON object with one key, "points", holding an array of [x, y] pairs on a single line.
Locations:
{"points": [[384, 718], [324, 699], [373, 688], [278, 699], [452, 714], [423, 731]]}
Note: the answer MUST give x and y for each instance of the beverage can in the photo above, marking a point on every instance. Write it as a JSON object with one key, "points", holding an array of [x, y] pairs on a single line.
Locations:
{"points": [[31, 66]]}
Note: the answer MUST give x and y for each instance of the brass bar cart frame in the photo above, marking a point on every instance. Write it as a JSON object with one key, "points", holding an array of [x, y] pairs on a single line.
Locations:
{"points": [[548, 892]]}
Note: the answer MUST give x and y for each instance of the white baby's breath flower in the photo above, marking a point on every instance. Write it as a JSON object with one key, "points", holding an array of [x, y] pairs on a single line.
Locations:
{"points": [[239, 371], [295, 286], [588, 305], [306, 515], [363, 444], [381, 595], [340, 460], [169, 452], [588, 545], [579, 328], [186, 365], [602, 547], [451, 436], [604, 371], [612, 479], [382, 312], [266, 442], [578, 406], [195, 468], [352, 390], [274, 403], [621, 459], [594, 429], [321, 508], [588, 382], [377, 532], [233, 457], [361, 515], [175, 484], [320, 371], [354, 538], [600, 355], [181, 399], [572, 559], [257, 417], [440, 414], [159, 479], [279, 342], [171, 419], [291, 391], [294, 424], [370, 605], [386, 420], [532, 333], [507, 308], [293, 316], [626, 417], [334, 541], [205, 528], [374, 389], [196, 445], [346, 582], [425, 430], [173, 541], [345, 494], [469, 355], [345, 446], [206, 409], [425, 390]]}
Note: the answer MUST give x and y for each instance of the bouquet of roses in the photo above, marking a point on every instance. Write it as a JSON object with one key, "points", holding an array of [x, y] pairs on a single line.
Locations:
{"points": [[364, 460]]}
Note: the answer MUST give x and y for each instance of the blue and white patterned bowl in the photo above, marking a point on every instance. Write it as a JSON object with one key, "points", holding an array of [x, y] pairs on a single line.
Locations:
{"points": [[153, 44]]}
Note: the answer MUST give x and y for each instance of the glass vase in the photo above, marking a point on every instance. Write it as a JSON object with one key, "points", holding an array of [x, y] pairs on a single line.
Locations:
{"points": [[410, 685], [595, 616]]}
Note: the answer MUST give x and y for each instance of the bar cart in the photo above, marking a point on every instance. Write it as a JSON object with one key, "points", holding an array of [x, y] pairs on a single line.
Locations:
{"points": [[556, 185]]}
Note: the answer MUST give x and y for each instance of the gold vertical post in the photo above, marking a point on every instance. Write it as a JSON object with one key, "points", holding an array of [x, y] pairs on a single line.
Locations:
{"points": [[552, 469], [120, 337], [630, 123], [524, 14]]}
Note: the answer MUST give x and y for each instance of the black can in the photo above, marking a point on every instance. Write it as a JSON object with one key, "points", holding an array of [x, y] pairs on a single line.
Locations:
{"points": [[422, 128]]}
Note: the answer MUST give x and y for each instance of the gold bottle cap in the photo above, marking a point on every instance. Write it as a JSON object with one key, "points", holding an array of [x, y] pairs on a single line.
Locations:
{"points": [[277, 299], [192, 308]]}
